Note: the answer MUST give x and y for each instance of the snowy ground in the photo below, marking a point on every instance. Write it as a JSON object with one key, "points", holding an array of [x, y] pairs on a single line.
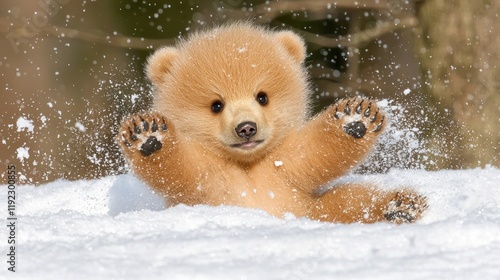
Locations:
{"points": [[115, 228]]}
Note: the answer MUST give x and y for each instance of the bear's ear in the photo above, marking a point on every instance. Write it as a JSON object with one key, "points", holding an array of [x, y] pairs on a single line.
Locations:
{"points": [[159, 63], [293, 43]]}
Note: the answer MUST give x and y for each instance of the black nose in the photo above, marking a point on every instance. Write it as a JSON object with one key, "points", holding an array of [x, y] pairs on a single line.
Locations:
{"points": [[246, 129]]}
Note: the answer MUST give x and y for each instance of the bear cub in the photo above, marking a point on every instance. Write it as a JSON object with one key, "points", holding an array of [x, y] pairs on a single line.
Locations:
{"points": [[231, 125]]}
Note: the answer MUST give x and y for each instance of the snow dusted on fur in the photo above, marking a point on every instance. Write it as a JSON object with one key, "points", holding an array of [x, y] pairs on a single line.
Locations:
{"points": [[116, 228]]}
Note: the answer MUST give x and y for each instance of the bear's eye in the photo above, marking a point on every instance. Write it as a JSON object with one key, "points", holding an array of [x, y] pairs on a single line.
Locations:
{"points": [[217, 106], [262, 98]]}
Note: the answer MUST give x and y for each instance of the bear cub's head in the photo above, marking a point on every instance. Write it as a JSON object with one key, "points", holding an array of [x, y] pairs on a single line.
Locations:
{"points": [[237, 90]]}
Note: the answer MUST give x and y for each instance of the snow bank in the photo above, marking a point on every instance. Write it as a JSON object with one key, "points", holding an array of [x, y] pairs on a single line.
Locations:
{"points": [[115, 228]]}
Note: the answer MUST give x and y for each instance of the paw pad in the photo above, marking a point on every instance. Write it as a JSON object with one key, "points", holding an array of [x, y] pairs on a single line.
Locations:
{"points": [[150, 146], [356, 129]]}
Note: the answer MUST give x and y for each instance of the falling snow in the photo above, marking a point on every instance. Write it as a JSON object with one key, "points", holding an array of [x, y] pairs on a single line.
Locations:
{"points": [[22, 153], [24, 124], [80, 127]]}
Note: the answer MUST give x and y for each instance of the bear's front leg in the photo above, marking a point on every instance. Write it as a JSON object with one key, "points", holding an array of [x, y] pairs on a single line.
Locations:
{"points": [[332, 143], [151, 148]]}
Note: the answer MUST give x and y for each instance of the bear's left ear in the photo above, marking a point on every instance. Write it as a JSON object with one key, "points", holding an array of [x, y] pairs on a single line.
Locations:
{"points": [[159, 63], [293, 43]]}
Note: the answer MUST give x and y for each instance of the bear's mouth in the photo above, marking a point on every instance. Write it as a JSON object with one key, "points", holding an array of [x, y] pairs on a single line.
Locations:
{"points": [[248, 145]]}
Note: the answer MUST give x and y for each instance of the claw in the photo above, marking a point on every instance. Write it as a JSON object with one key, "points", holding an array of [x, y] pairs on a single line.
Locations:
{"points": [[368, 110], [133, 137], [336, 115], [347, 109], [372, 120], [154, 127], [379, 126], [358, 108], [145, 124], [137, 129], [399, 202], [164, 125], [125, 141], [424, 198]]}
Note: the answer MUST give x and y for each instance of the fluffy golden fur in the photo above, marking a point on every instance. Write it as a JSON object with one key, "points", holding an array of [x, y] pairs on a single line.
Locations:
{"points": [[230, 125]]}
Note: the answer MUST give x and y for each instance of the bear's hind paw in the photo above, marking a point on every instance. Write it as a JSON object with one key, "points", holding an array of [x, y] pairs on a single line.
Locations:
{"points": [[406, 207], [143, 132]]}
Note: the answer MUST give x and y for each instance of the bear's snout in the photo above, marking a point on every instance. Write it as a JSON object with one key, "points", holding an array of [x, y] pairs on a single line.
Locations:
{"points": [[246, 129]]}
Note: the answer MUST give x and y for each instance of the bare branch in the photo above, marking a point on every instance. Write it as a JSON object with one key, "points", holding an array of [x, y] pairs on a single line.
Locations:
{"points": [[114, 40], [362, 37], [267, 12], [93, 37], [262, 13]]}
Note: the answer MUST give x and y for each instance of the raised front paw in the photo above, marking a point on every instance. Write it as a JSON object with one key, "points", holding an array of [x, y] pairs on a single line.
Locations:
{"points": [[359, 116], [143, 132], [406, 207]]}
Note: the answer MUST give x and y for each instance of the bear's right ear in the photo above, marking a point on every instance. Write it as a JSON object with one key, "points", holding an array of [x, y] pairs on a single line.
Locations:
{"points": [[159, 63], [293, 44]]}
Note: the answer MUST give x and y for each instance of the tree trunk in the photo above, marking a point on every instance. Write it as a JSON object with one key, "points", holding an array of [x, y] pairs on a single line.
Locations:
{"points": [[460, 57]]}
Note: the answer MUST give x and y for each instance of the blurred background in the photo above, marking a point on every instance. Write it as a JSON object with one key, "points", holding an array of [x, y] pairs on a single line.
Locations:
{"points": [[71, 70]]}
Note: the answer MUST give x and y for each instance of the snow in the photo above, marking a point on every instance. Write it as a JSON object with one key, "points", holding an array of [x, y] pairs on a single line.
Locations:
{"points": [[22, 153], [116, 228], [80, 127], [24, 123]]}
